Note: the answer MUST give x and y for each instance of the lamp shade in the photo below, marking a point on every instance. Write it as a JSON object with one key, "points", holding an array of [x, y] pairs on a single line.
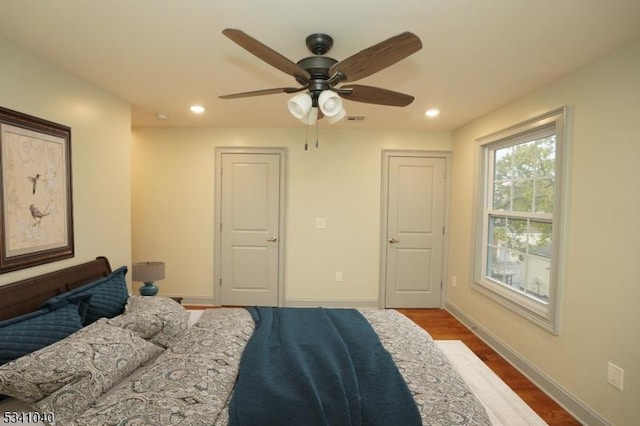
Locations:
{"points": [[330, 103], [148, 271], [299, 105], [339, 116]]}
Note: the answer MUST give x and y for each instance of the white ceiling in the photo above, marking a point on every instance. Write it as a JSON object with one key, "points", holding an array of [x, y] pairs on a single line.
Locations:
{"points": [[163, 55]]}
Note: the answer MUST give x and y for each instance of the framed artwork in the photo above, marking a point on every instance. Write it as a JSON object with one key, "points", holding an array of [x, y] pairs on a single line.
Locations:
{"points": [[36, 210]]}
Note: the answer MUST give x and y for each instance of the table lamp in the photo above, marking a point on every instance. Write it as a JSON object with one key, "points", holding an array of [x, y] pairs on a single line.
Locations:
{"points": [[148, 272]]}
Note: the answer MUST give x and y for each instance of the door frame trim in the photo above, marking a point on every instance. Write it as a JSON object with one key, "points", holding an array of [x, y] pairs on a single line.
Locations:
{"points": [[386, 154], [217, 250]]}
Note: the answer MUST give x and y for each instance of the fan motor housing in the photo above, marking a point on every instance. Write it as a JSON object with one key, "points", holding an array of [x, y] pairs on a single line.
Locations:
{"points": [[317, 65], [318, 68]]}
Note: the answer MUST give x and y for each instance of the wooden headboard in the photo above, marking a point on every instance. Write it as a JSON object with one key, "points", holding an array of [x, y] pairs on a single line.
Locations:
{"points": [[28, 295]]}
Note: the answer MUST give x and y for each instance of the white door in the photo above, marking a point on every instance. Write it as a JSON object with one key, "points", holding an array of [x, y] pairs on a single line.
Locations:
{"points": [[414, 231], [250, 229]]}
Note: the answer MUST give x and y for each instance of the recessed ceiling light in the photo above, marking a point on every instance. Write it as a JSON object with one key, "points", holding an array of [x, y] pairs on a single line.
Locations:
{"points": [[197, 109], [161, 116], [433, 112]]}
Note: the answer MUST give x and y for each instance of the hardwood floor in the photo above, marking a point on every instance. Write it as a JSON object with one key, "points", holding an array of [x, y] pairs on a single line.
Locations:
{"points": [[441, 325]]}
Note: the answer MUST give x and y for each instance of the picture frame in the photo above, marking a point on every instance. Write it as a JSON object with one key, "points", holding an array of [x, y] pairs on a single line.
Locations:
{"points": [[36, 208]]}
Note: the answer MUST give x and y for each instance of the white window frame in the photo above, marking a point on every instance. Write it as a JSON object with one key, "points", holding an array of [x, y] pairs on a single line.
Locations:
{"points": [[545, 315]]}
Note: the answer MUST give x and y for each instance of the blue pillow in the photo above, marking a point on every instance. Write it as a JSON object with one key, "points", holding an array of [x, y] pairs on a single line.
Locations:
{"points": [[35, 330], [80, 300], [108, 296]]}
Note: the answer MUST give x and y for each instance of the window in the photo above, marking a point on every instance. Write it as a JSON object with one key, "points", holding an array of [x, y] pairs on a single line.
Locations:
{"points": [[518, 243]]}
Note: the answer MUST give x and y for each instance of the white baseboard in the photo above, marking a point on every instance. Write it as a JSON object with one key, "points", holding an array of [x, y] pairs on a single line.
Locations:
{"points": [[331, 303], [568, 401]]}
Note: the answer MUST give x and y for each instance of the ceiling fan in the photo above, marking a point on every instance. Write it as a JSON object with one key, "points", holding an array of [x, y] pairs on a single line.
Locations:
{"points": [[321, 76]]}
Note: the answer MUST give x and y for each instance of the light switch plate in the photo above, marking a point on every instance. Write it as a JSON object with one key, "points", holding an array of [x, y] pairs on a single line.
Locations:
{"points": [[615, 376], [321, 222]]}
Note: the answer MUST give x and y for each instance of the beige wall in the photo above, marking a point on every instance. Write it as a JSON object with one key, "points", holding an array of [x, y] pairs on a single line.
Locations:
{"points": [[173, 207], [600, 315], [100, 152]]}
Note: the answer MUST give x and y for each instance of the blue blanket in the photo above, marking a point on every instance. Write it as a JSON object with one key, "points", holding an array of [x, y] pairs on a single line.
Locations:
{"points": [[306, 366]]}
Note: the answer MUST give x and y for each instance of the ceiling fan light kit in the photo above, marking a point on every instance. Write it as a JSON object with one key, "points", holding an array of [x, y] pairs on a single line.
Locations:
{"points": [[321, 75], [330, 103], [299, 105]]}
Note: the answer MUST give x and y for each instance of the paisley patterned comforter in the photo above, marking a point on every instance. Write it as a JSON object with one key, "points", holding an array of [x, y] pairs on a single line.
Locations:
{"points": [[191, 381]]}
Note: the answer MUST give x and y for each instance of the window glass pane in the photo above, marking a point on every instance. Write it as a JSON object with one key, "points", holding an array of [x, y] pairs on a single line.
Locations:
{"points": [[504, 266], [497, 231], [544, 196], [497, 255], [495, 262], [546, 148], [540, 238], [514, 270], [502, 195], [517, 234], [525, 160], [538, 277], [502, 163], [522, 196], [506, 260]]}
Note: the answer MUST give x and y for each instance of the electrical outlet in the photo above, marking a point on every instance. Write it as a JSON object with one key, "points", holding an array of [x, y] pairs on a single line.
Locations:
{"points": [[338, 276], [454, 281], [615, 376]]}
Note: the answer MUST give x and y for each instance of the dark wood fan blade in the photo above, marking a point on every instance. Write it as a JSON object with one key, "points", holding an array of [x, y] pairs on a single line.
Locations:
{"points": [[263, 92], [267, 54], [374, 95], [377, 57]]}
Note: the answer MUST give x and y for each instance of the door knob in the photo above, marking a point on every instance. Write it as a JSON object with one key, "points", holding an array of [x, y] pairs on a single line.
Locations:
{"points": [[272, 239], [393, 241]]}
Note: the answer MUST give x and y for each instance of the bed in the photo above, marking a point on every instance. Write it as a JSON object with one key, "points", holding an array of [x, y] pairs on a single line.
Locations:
{"points": [[123, 359]]}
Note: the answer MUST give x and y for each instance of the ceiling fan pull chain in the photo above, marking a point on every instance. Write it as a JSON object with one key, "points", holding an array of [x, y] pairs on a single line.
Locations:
{"points": [[306, 136], [317, 141]]}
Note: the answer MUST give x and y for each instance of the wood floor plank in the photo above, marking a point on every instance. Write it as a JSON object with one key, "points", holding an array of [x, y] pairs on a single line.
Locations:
{"points": [[441, 325]]}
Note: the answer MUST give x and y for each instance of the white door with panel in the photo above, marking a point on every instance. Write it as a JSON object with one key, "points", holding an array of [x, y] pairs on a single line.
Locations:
{"points": [[415, 209], [250, 229]]}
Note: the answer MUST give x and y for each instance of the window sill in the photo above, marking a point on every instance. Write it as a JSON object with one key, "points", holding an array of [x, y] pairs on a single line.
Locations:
{"points": [[535, 312]]}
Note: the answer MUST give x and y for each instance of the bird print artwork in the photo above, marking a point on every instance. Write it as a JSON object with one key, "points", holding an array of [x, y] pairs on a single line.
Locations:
{"points": [[34, 182], [37, 214]]}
